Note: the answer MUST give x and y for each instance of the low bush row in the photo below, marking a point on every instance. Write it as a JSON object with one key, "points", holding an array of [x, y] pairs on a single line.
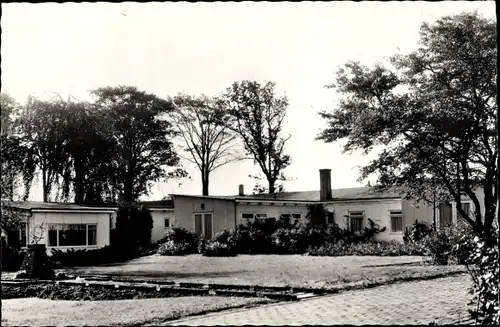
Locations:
{"points": [[275, 237], [370, 248], [86, 257]]}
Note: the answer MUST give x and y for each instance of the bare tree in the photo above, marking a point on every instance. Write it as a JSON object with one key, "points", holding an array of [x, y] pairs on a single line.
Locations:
{"points": [[259, 116], [202, 124]]}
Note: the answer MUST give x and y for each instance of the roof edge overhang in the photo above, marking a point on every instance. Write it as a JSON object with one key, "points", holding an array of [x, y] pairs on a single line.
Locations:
{"points": [[94, 210]]}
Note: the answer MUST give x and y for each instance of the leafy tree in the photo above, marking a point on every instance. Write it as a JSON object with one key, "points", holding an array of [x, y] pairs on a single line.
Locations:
{"points": [[259, 188], [258, 117], [42, 142], [142, 141], [433, 111], [202, 124], [133, 227], [89, 168], [317, 215], [11, 151]]}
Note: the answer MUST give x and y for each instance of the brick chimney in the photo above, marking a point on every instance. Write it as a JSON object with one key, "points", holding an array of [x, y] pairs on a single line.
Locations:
{"points": [[241, 190], [325, 184]]}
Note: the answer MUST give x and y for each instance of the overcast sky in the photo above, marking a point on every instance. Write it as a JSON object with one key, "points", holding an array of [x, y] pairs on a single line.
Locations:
{"points": [[166, 48]]}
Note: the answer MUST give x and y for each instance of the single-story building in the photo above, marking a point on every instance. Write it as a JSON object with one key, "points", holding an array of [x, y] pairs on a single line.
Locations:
{"points": [[66, 225], [162, 213], [71, 226], [61, 225], [207, 215]]}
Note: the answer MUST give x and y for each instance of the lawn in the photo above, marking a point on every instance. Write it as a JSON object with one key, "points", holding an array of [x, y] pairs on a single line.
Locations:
{"points": [[39, 312], [271, 270]]}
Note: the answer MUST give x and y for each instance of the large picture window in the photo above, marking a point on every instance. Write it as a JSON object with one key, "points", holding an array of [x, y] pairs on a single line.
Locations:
{"points": [[72, 234]]}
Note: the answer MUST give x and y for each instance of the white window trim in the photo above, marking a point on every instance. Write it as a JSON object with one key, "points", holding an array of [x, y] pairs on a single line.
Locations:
{"points": [[260, 213], [395, 213], [363, 216], [203, 221], [247, 213], [73, 246]]}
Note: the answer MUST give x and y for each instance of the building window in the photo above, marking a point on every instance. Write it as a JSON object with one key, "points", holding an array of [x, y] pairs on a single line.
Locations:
{"points": [[72, 234], [330, 218], [261, 215], [247, 215], [396, 220], [17, 237], [356, 220], [289, 216], [167, 223], [465, 208]]}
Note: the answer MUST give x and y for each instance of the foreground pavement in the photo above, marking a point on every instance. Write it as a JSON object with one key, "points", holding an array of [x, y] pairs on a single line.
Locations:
{"points": [[442, 300]]}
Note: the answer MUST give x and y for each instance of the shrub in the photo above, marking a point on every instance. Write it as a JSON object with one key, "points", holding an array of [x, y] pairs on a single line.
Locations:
{"points": [[202, 243], [178, 241], [418, 231], [256, 236], [230, 237], [370, 248], [12, 258], [224, 243], [246, 243], [133, 227], [483, 265], [316, 215], [451, 244], [217, 249], [174, 248], [439, 247], [87, 257], [290, 241]]}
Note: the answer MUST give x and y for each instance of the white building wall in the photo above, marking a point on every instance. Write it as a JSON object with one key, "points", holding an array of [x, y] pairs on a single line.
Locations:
{"points": [[376, 210], [159, 216], [272, 211], [45, 218]]}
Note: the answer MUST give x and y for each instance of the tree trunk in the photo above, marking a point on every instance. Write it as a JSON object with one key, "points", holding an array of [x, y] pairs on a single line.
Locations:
{"points": [[271, 183], [44, 184], [79, 185], [205, 182]]}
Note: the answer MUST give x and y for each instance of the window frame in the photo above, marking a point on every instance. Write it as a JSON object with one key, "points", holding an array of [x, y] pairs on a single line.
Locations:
{"points": [[19, 232], [396, 214], [58, 230], [166, 222], [458, 215], [247, 213], [357, 215]]}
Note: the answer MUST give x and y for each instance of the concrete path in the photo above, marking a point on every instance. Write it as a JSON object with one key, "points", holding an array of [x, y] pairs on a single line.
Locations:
{"points": [[441, 300]]}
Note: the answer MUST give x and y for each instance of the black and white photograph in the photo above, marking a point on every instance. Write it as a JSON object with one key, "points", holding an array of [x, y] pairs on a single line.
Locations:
{"points": [[249, 163]]}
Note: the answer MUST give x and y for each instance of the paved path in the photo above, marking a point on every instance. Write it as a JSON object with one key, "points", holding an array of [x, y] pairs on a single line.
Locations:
{"points": [[441, 300]]}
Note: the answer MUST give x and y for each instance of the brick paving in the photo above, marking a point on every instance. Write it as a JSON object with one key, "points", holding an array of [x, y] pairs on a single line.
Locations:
{"points": [[440, 300]]}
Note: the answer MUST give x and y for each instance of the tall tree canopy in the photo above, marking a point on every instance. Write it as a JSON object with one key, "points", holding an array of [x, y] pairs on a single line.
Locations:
{"points": [[11, 151], [43, 141], [258, 116], [142, 141], [202, 124], [433, 111]]}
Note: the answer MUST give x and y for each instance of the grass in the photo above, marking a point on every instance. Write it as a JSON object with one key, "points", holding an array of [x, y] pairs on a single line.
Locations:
{"points": [[272, 270], [39, 312]]}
